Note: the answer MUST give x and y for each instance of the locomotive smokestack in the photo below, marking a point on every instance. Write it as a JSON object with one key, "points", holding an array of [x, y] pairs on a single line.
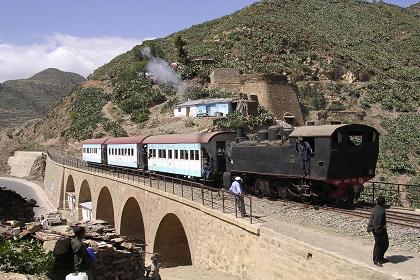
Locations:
{"points": [[240, 134]]}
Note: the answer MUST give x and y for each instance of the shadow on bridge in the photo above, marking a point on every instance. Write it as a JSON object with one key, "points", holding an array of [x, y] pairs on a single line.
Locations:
{"points": [[171, 242]]}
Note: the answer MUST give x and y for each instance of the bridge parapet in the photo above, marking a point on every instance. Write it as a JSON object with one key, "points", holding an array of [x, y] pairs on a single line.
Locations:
{"points": [[213, 198]]}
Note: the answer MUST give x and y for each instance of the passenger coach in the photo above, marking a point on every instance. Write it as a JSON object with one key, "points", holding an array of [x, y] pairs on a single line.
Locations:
{"points": [[127, 152], [185, 154], [94, 150]]}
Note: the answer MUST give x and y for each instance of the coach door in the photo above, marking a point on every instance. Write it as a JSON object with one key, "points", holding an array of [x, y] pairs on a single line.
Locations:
{"points": [[220, 156], [104, 154]]}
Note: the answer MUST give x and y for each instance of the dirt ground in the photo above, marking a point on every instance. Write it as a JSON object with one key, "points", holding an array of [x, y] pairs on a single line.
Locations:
{"points": [[193, 273]]}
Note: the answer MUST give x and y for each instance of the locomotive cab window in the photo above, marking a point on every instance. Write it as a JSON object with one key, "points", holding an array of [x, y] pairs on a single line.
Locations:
{"points": [[355, 138]]}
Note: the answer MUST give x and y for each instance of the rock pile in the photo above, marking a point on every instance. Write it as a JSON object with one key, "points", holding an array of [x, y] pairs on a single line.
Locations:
{"points": [[15, 207], [117, 257], [38, 168]]}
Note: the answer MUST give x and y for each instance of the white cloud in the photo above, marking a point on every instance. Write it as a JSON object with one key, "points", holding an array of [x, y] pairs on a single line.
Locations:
{"points": [[65, 52]]}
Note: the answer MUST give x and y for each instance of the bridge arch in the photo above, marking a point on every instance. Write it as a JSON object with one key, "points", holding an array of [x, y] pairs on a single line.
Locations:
{"points": [[132, 224], [105, 207], [69, 194], [85, 202], [171, 242]]}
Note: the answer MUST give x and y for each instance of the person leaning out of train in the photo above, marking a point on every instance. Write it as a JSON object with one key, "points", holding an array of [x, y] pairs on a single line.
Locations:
{"points": [[207, 171], [237, 190], [303, 148]]}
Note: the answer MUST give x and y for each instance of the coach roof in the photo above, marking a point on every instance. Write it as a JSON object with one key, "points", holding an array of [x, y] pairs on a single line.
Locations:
{"points": [[126, 140], [100, 141], [184, 138]]}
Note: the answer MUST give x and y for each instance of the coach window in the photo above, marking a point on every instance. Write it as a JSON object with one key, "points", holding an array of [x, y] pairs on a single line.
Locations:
{"points": [[154, 153], [181, 154], [197, 155], [355, 138], [186, 154], [191, 154], [159, 153], [164, 153], [169, 154], [176, 154]]}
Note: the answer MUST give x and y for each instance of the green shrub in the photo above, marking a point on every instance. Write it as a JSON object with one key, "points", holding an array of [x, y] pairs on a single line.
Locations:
{"points": [[400, 144], [336, 106], [140, 116], [114, 127], [86, 112], [24, 256], [197, 92], [394, 95], [169, 105]]}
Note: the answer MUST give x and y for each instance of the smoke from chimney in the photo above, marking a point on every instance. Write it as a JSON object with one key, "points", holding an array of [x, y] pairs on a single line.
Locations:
{"points": [[161, 71]]}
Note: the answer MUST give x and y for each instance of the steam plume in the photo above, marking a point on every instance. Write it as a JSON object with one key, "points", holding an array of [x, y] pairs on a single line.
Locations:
{"points": [[161, 71]]}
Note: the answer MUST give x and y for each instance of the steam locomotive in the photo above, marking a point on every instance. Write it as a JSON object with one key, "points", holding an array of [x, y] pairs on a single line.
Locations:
{"points": [[343, 157]]}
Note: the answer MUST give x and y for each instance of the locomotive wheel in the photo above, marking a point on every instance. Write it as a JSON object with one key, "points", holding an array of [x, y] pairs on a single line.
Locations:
{"points": [[306, 194]]}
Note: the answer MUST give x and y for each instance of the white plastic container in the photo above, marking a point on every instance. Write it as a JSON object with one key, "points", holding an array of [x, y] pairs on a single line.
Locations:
{"points": [[79, 276]]}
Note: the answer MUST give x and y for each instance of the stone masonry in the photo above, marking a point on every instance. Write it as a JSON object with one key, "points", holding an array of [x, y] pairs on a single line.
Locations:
{"points": [[279, 98]]}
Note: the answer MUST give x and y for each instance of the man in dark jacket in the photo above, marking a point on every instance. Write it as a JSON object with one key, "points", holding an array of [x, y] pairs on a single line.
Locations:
{"points": [[81, 258], [304, 150], [377, 225]]}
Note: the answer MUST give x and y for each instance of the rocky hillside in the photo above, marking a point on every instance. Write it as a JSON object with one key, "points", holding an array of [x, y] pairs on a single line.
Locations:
{"points": [[347, 60], [26, 99]]}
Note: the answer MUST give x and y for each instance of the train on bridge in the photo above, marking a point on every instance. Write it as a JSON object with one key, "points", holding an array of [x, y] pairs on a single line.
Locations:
{"points": [[342, 157]]}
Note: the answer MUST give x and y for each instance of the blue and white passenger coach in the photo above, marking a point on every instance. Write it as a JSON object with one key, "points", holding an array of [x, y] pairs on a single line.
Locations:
{"points": [[185, 154], [126, 152], [94, 150]]}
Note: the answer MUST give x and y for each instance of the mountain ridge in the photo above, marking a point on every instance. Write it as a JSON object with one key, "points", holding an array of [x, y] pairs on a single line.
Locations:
{"points": [[33, 97]]}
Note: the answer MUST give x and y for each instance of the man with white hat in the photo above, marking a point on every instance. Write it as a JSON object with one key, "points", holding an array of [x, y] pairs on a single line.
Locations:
{"points": [[236, 189]]}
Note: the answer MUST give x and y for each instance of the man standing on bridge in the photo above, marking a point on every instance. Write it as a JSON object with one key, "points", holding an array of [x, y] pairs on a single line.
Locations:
{"points": [[236, 189], [377, 225]]}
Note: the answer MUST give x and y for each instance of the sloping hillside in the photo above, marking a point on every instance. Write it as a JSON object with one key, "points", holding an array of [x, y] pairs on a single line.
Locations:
{"points": [[349, 60], [26, 99]]}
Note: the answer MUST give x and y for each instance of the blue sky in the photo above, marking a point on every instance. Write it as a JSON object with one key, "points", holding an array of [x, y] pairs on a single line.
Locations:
{"points": [[81, 35]]}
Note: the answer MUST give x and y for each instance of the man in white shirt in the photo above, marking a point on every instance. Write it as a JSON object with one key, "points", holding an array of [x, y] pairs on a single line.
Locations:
{"points": [[236, 189]]}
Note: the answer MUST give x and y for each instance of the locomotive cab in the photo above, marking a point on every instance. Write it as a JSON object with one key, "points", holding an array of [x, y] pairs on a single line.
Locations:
{"points": [[354, 153]]}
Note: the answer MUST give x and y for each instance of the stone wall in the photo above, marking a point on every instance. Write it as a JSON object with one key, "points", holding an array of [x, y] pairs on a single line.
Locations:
{"points": [[277, 97], [53, 183]]}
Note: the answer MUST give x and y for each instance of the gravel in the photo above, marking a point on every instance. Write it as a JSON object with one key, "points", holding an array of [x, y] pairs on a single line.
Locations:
{"points": [[400, 237]]}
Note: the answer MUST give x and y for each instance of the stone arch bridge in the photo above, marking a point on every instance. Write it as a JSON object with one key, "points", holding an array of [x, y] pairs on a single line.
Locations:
{"points": [[184, 231]]}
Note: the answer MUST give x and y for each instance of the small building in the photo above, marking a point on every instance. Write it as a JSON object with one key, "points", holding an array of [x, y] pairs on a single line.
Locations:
{"points": [[86, 210], [204, 107]]}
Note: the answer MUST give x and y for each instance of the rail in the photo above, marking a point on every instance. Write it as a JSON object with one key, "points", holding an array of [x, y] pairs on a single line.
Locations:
{"points": [[210, 197]]}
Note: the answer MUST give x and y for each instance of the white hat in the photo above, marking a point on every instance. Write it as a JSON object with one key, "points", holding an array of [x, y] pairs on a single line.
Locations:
{"points": [[238, 178]]}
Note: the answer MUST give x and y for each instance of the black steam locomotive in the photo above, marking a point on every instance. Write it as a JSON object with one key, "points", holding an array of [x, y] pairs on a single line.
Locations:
{"points": [[342, 158]]}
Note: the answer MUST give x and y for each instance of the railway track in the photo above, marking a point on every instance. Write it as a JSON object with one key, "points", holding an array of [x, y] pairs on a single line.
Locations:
{"points": [[396, 217]]}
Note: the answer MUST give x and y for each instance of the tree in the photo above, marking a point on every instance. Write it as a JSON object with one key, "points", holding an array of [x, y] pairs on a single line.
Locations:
{"points": [[180, 44]]}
